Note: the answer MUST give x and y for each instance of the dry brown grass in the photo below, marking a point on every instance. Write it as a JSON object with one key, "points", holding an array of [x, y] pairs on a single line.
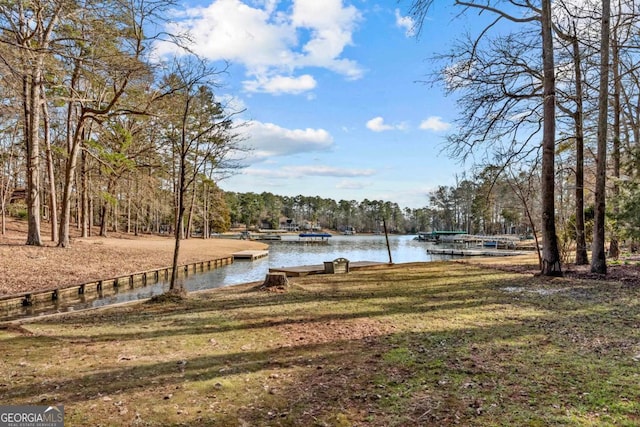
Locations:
{"points": [[27, 268]]}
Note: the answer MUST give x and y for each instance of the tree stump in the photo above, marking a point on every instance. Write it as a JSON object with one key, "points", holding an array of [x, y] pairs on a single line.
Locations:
{"points": [[275, 280]]}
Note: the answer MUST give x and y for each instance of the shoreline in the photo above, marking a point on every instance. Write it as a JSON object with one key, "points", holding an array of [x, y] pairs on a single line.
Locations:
{"points": [[26, 269]]}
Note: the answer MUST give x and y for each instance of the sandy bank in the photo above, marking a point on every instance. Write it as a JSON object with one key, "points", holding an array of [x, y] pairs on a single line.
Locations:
{"points": [[27, 268]]}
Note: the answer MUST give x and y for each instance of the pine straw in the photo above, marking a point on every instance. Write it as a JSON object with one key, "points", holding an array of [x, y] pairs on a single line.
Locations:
{"points": [[28, 268]]}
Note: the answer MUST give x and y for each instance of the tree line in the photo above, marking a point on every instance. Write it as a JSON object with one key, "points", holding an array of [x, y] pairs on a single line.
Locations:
{"points": [[96, 126], [99, 130], [484, 204], [552, 88], [267, 210]]}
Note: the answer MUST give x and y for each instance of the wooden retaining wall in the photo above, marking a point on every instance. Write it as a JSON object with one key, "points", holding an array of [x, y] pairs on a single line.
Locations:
{"points": [[141, 278]]}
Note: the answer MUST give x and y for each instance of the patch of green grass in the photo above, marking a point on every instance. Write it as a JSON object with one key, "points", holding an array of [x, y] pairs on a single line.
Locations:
{"points": [[399, 356]]}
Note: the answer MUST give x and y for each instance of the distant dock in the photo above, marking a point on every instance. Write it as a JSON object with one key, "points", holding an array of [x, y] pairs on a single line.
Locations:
{"points": [[266, 237], [250, 255], [473, 252], [314, 238], [502, 241]]}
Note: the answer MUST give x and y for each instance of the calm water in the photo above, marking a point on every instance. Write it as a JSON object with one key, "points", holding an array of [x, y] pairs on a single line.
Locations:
{"points": [[281, 254]]}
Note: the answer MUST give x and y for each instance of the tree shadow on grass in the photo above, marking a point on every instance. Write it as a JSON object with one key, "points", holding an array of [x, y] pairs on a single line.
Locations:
{"points": [[208, 313], [475, 375], [542, 356]]}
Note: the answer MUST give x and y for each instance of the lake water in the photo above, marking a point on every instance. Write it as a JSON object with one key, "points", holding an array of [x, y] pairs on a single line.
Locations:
{"points": [[281, 254], [286, 254]]}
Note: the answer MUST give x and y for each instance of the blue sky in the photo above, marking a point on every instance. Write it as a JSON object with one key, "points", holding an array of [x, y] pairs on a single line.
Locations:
{"points": [[334, 106]]}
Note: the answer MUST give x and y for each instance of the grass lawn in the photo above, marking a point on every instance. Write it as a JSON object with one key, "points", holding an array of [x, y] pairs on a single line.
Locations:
{"points": [[414, 344]]}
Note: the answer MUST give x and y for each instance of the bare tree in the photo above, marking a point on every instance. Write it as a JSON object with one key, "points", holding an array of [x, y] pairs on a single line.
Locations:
{"points": [[550, 252], [26, 31], [106, 58], [569, 34], [598, 254], [8, 165], [524, 184], [201, 133], [492, 115], [9, 146], [581, 243], [53, 202], [624, 30]]}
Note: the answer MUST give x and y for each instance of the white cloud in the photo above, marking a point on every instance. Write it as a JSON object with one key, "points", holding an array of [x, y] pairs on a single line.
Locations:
{"points": [[377, 124], [268, 140], [281, 84], [273, 43], [268, 173], [351, 185], [303, 171], [331, 171], [330, 25], [435, 124], [406, 23], [232, 103]]}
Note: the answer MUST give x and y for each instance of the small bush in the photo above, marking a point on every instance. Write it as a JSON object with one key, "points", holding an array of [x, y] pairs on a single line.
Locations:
{"points": [[18, 210]]}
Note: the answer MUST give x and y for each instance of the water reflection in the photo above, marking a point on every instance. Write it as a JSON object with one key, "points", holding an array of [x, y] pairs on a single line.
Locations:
{"points": [[286, 253]]}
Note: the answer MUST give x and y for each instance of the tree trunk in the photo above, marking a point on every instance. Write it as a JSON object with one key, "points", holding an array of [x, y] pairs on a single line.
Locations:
{"points": [[104, 209], [582, 257], [32, 99], [73, 146], [103, 219], [190, 216], [173, 285], [550, 254], [4, 190], [206, 230], [180, 195], [129, 204], [5, 181], [90, 213], [77, 202], [65, 217], [4, 217], [53, 204], [598, 256], [614, 250], [84, 194], [115, 217]]}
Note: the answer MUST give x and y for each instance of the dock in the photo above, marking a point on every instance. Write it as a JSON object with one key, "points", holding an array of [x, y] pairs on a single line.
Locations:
{"points": [[266, 237], [501, 241], [29, 304], [250, 255], [307, 270], [440, 235], [473, 252]]}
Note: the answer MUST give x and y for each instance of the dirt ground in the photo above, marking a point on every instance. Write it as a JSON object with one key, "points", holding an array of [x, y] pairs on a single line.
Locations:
{"points": [[27, 268]]}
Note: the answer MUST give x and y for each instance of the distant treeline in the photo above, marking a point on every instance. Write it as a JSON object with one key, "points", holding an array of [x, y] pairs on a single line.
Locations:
{"points": [[470, 206]]}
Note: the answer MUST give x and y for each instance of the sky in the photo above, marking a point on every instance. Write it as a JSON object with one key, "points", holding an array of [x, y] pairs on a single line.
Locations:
{"points": [[333, 95]]}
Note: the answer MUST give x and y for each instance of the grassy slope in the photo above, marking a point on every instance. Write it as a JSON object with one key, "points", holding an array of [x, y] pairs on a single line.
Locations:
{"points": [[419, 344]]}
